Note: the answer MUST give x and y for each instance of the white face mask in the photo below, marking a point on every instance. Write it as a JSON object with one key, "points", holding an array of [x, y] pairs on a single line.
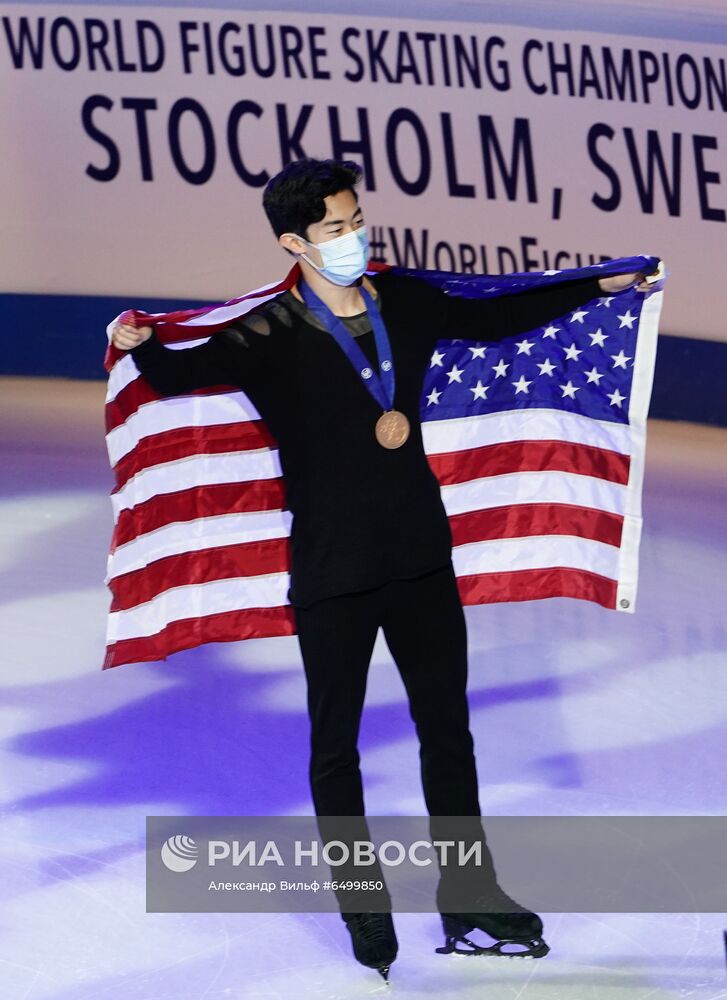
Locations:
{"points": [[344, 259]]}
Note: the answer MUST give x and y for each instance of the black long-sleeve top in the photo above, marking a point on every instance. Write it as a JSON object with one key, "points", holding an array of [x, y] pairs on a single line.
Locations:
{"points": [[362, 514]]}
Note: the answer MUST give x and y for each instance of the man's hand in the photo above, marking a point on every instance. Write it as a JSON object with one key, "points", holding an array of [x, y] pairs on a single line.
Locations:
{"points": [[125, 336], [619, 282]]}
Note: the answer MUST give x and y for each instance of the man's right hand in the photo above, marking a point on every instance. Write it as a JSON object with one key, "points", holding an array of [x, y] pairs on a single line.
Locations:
{"points": [[125, 336]]}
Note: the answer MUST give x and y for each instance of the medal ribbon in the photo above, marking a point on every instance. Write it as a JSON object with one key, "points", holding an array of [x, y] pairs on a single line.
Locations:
{"points": [[380, 386]]}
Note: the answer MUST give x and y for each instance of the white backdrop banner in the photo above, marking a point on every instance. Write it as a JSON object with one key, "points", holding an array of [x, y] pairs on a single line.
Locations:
{"points": [[137, 141]]}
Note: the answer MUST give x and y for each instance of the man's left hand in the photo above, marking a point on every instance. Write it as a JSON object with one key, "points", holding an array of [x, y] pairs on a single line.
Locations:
{"points": [[619, 282]]}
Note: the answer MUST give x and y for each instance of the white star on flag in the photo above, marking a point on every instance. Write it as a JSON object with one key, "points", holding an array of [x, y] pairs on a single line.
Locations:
{"points": [[479, 390], [521, 385], [620, 359], [569, 389], [578, 315], [437, 359], [524, 346], [599, 337], [615, 397], [546, 368], [455, 373], [433, 397], [627, 320], [500, 368], [572, 352], [594, 375]]}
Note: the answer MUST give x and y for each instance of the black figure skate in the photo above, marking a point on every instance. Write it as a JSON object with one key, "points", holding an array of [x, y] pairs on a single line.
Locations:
{"points": [[374, 940], [510, 924]]}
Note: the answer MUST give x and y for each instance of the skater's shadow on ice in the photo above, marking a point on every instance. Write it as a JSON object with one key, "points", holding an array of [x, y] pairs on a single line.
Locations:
{"points": [[206, 743], [201, 741], [201, 745], [216, 739]]}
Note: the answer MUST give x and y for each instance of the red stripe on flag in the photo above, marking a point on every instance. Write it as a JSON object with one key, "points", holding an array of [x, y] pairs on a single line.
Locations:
{"points": [[529, 519], [530, 456], [230, 626], [247, 559], [536, 584], [183, 442], [199, 501]]}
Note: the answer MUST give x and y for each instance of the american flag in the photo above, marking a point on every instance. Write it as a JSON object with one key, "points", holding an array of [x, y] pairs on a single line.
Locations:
{"points": [[537, 441]]}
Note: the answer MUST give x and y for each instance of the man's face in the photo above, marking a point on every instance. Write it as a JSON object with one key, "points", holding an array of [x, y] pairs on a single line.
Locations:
{"points": [[343, 215]]}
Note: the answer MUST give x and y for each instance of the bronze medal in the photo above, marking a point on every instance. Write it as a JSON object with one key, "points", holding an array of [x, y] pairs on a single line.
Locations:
{"points": [[392, 429]]}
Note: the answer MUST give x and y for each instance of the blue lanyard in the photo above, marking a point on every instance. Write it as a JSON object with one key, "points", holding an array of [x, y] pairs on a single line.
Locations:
{"points": [[381, 387]]}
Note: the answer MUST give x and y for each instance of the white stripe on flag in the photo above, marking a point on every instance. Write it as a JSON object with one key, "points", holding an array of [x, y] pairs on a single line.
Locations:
{"points": [[228, 313], [213, 598], [533, 487], [201, 533], [641, 386], [197, 470], [503, 555], [533, 424], [247, 302], [125, 370], [174, 412]]}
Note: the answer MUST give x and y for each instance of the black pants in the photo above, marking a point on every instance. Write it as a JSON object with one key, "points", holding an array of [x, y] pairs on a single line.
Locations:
{"points": [[425, 630], [424, 627]]}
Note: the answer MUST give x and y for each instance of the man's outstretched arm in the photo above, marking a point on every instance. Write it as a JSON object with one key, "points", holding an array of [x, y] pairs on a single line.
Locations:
{"points": [[225, 359], [509, 315]]}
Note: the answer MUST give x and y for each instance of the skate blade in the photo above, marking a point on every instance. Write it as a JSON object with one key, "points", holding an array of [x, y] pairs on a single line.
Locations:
{"points": [[384, 984], [535, 948]]}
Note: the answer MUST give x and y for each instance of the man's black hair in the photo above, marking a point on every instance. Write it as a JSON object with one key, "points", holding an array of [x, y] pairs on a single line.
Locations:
{"points": [[293, 199]]}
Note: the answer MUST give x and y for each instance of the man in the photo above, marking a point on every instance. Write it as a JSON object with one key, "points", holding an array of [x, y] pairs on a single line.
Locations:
{"points": [[335, 367]]}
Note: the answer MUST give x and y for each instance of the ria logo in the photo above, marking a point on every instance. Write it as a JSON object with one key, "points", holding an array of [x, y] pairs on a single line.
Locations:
{"points": [[179, 853]]}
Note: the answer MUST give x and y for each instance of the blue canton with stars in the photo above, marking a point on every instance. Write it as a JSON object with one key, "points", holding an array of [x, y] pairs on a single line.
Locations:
{"points": [[581, 362]]}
